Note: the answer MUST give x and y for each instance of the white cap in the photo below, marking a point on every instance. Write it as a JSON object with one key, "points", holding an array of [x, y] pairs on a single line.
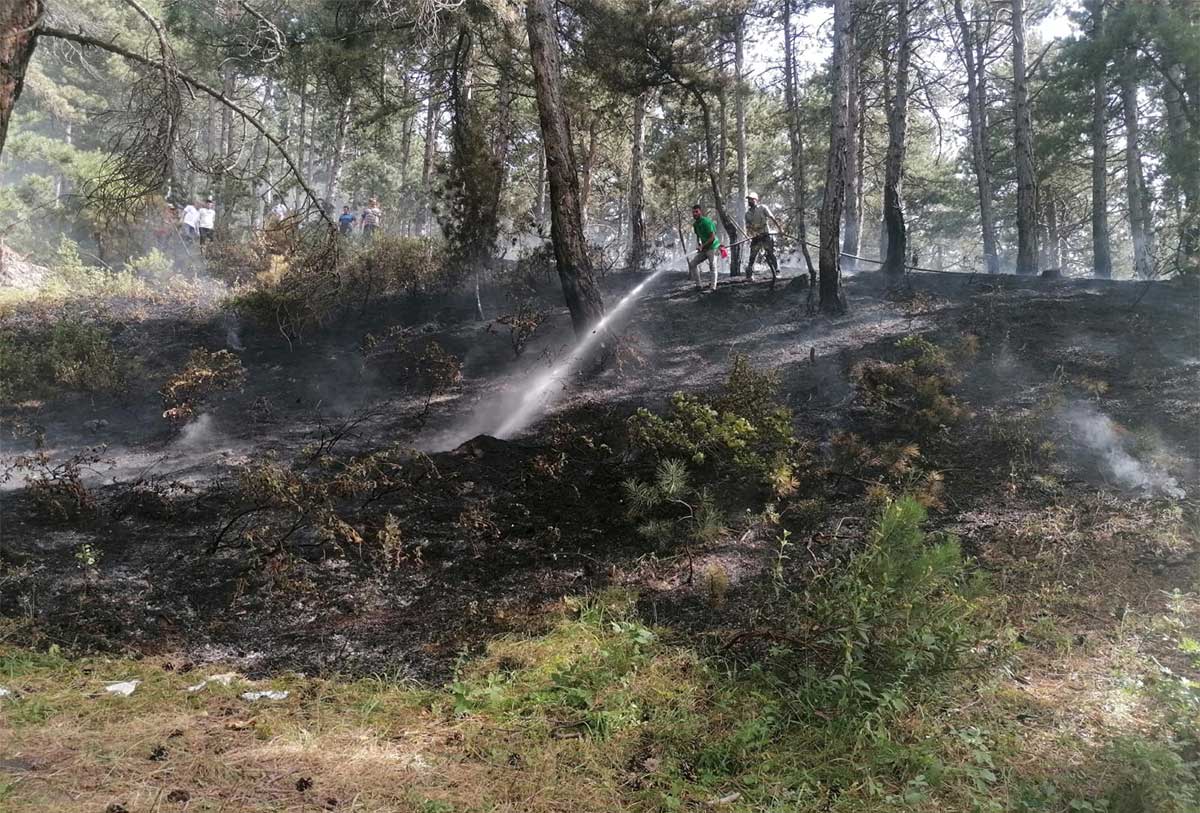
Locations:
{"points": [[753, 195]]}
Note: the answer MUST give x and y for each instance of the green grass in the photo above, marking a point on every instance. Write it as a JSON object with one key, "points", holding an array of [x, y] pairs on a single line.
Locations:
{"points": [[600, 714]]}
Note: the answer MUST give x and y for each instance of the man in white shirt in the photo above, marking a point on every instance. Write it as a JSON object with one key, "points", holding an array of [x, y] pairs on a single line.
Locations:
{"points": [[758, 220], [207, 219], [279, 211], [191, 222]]}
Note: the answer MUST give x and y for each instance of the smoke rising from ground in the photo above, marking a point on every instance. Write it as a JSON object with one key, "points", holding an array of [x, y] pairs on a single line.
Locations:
{"points": [[1097, 433]]}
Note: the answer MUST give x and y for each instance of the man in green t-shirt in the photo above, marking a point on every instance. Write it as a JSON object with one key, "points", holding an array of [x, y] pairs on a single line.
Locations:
{"points": [[708, 244]]}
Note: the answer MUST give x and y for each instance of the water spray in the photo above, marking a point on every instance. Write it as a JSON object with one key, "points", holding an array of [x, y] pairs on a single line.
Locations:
{"points": [[534, 399]]}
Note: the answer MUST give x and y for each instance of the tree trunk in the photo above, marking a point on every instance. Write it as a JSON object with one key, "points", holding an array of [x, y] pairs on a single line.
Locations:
{"points": [[18, 37], [1027, 249], [851, 237], [1054, 256], [1184, 169], [566, 228], [739, 113], [796, 141], [589, 164], [637, 186], [339, 149], [410, 119], [832, 300], [429, 153], [539, 191], [1135, 184], [977, 114], [302, 130], [893, 200], [1101, 251], [710, 162]]}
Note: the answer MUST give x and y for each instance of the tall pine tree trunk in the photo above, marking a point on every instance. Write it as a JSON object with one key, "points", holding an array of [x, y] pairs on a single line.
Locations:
{"points": [[637, 187], [1101, 251], [427, 158], [589, 167], [972, 51], [739, 114], [1135, 185], [1184, 169], [570, 248], [852, 236], [339, 149], [893, 201], [832, 300], [1027, 248], [796, 141], [18, 37]]}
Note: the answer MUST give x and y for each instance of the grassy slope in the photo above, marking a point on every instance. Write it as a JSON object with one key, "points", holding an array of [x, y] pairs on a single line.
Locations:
{"points": [[600, 714]]}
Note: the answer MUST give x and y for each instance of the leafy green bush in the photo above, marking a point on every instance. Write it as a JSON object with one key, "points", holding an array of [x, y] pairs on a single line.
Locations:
{"points": [[742, 434]]}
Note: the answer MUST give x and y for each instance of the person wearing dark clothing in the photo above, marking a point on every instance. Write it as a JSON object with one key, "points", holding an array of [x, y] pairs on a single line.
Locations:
{"points": [[346, 222]]}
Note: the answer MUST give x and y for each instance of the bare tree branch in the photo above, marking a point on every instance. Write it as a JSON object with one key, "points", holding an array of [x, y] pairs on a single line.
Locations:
{"points": [[217, 95]]}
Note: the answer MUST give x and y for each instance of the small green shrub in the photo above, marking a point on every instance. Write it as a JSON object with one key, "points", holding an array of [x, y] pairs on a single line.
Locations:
{"points": [[743, 434], [669, 510], [902, 610], [69, 355], [913, 394]]}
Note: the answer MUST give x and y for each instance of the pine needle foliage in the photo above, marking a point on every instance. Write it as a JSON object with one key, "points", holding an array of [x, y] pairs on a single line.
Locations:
{"points": [[743, 434], [903, 610]]}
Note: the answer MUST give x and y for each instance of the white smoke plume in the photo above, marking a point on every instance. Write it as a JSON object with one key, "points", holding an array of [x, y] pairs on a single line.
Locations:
{"points": [[1097, 433]]}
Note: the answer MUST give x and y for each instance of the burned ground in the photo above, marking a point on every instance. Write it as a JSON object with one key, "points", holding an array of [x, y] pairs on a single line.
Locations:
{"points": [[1077, 445]]}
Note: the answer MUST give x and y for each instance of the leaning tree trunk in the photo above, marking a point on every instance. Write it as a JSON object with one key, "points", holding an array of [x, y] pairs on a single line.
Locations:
{"points": [[637, 188], [1027, 248], [796, 141], [1101, 251], [977, 114], [893, 201], [710, 163], [18, 36], [851, 237], [830, 282], [1135, 184], [566, 229], [739, 113]]}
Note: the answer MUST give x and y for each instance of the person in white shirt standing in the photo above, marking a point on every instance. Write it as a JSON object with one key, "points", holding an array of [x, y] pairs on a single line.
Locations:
{"points": [[208, 219], [758, 220], [191, 222], [279, 211]]}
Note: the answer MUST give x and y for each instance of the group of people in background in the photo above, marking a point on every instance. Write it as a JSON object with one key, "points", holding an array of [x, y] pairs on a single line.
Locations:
{"points": [[369, 220], [198, 221]]}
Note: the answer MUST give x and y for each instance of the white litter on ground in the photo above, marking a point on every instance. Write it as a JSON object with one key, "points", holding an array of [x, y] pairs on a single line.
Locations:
{"points": [[124, 689], [5, 692], [223, 679], [272, 694]]}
